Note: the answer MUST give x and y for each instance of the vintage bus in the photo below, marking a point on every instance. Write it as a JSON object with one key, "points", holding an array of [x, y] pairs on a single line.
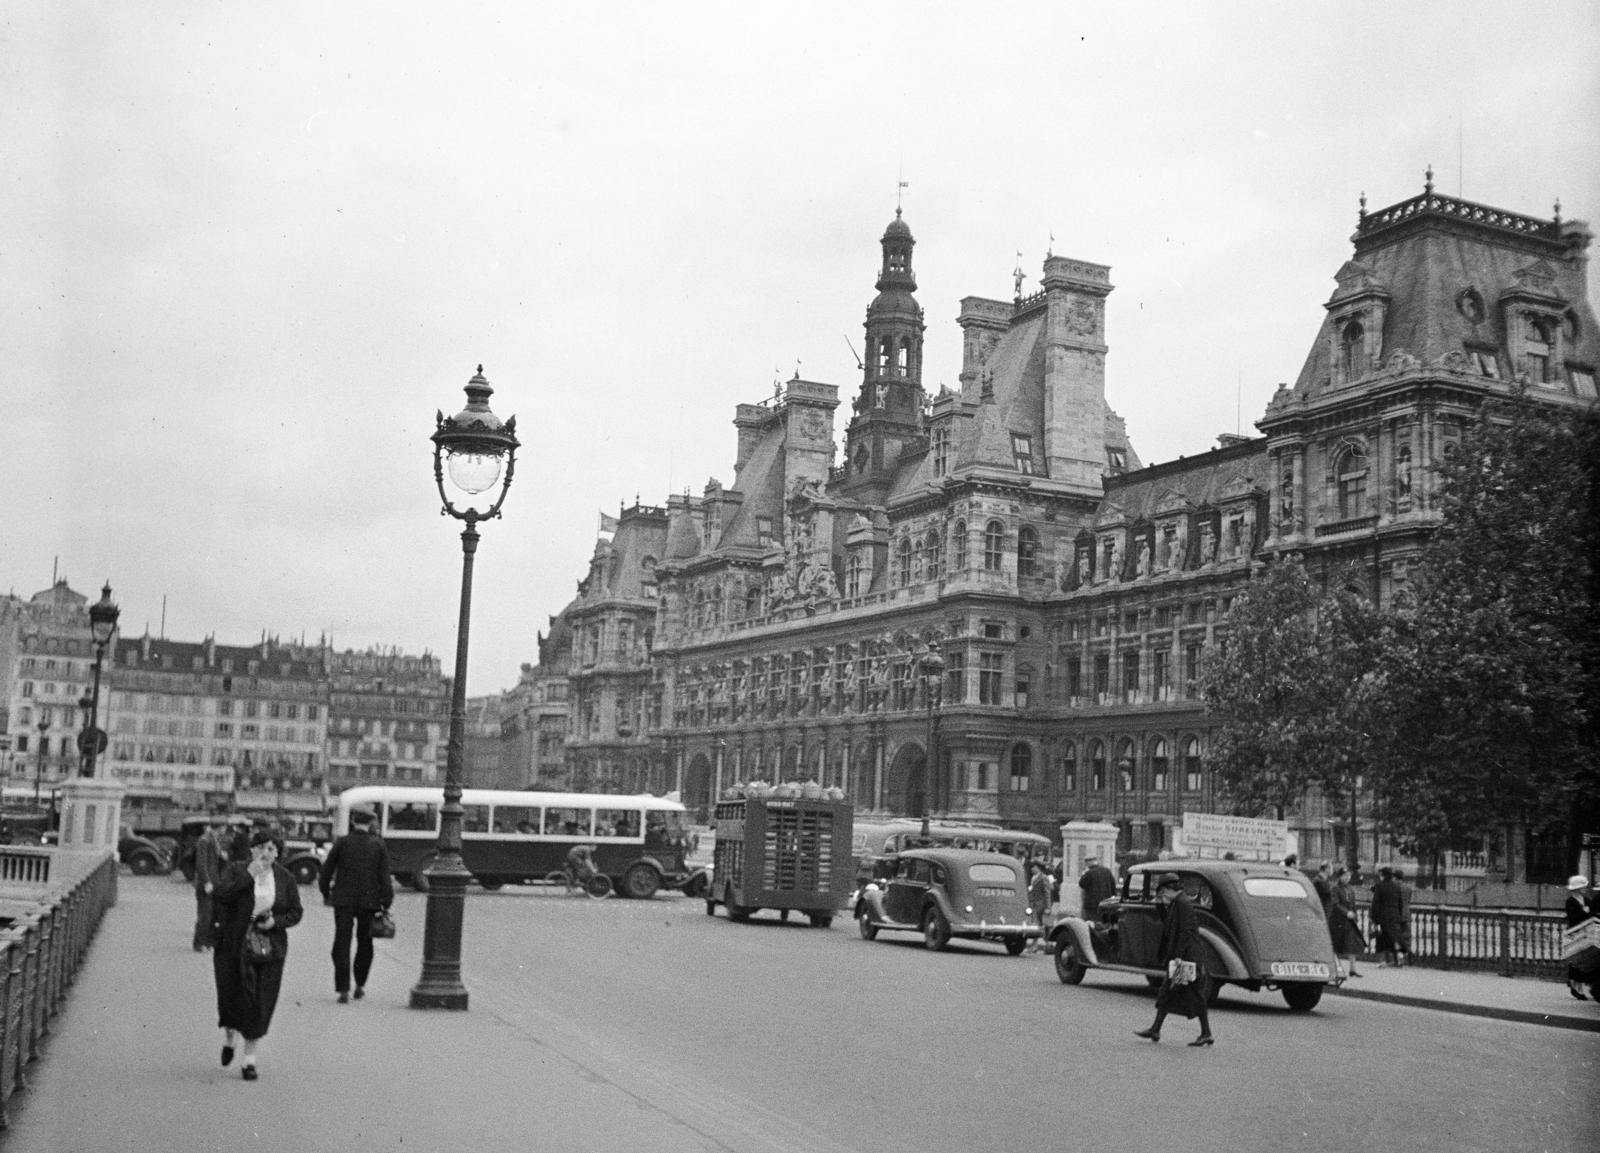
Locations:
{"points": [[514, 837]]}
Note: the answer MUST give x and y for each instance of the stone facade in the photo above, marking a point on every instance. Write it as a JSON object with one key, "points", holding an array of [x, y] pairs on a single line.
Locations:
{"points": [[992, 574]]}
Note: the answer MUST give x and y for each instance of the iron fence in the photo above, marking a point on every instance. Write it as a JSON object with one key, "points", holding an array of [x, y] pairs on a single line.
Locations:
{"points": [[1511, 942], [40, 951]]}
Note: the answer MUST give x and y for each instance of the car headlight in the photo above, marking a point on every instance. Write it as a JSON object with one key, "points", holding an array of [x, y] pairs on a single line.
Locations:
{"points": [[969, 908]]}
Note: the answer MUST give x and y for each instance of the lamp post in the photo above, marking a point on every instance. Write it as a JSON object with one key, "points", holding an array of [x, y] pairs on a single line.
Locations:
{"points": [[932, 668], [44, 727], [479, 452], [102, 626]]}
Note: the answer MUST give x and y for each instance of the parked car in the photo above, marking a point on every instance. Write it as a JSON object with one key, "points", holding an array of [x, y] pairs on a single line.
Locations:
{"points": [[947, 893], [1261, 927], [142, 855]]}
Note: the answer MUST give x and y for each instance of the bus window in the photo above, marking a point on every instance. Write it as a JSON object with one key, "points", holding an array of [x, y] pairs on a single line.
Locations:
{"points": [[616, 823], [474, 818], [569, 822], [665, 827], [511, 819], [411, 817]]}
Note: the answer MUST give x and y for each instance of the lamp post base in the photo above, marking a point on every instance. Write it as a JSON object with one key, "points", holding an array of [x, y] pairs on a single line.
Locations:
{"points": [[440, 986]]}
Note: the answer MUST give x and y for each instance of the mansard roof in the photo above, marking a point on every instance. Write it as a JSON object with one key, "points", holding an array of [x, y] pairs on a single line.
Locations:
{"points": [[1206, 481]]}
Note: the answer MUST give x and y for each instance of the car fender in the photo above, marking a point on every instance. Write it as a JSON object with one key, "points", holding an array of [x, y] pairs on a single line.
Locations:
{"points": [[1077, 930], [940, 900], [1224, 951], [667, 875]]}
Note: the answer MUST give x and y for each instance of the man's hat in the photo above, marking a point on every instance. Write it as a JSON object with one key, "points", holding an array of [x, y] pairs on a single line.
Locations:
{"points": [[1170, 881], [361, 817], [1577, 881]]}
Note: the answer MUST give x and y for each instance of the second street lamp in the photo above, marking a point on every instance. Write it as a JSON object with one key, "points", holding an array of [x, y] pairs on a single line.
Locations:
{"points": [[479, 453], [932, 669], [103, 616]]}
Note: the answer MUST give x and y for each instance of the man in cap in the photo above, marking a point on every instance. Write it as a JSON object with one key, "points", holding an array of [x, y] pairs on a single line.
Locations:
{"points": [[1096, 884], [355, 881]]}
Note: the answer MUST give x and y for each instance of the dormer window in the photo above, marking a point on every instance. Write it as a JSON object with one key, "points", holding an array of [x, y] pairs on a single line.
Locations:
{"points": [[763, 531], [1117, 458], [941, 450], [1537, 346], [1352, 351], [1022, 452], [903, 562]]}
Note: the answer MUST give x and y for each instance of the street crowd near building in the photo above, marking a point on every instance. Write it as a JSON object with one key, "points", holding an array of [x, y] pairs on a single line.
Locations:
{"points": [[975, 602]]}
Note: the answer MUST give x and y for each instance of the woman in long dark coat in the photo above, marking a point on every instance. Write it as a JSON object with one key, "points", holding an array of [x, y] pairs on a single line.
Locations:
{"points": [[1387, 915], [262, 892], [1342, 924], [1180, 941]]}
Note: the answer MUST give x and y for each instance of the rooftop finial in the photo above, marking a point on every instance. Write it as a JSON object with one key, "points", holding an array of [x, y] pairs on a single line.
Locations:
{"points": [[1050, 249], [1362, 215], [1558, 210], [899, 191], [1427, 186]]}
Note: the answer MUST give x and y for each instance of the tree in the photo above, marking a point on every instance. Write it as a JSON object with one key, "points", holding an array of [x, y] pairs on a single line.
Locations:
{"points": [[1294, 690], [1493, 683]]}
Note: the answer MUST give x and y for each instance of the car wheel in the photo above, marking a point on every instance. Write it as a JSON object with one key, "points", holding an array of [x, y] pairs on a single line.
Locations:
{"points": [[1213, 966], [697, 887], [1069, 966], [305, 871], [1302, 997], [821, 920], [864, 925], [641, 882], [141, 864], [1015, 945], [935, 931]]}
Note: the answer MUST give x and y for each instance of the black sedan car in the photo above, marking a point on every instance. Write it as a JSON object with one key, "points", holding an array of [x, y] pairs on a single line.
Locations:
{"points": [[947, 893]]}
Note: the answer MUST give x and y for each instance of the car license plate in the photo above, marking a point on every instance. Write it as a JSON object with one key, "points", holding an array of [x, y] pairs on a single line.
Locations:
{"points": [[1299, 969], [995, 892]]}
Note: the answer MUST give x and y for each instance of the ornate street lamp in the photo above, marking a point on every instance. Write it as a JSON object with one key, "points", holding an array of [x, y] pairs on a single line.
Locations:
{"points": [[479, 453], [932, 668], [44, 727], [103, 616]]}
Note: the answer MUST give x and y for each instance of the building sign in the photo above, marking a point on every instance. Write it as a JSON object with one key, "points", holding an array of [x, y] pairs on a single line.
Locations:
{"points": [[1247, 838]]}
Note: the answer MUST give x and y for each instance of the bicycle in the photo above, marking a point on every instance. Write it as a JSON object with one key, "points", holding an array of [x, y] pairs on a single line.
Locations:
{"points": [[597, 886]]}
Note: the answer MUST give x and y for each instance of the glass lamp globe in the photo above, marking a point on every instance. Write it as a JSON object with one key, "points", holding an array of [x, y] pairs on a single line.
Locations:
{"points": [[473, 472]]}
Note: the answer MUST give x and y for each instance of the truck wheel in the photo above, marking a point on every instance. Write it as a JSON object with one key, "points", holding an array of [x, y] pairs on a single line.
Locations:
{"points": [[935, 931], [864, 925], [305, 870], [1069, 966], [641, 882], [821, 920], [1302, 997], [735, 912], [141, 864], [711, 907]]}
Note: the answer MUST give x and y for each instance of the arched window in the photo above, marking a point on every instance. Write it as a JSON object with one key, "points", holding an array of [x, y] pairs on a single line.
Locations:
{"points": [[1158, 765], [1097, 766], [994, 545], [1350, 475], [752, 602], [933, 563], [1191, 764], [1027, 551], [1127, 770], [1021, 767], [1536, 348], [903, 562], [852, 575], [903, 356], [959, 536], [1069, 769], [885, 352], [1352, 351]]}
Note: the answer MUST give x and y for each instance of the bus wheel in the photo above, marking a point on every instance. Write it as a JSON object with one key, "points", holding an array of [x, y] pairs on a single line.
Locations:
{"points": [[641, 882]]}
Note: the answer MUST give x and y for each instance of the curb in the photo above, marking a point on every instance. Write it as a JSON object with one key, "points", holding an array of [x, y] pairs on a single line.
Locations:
{"points": [[1521, 1016]]}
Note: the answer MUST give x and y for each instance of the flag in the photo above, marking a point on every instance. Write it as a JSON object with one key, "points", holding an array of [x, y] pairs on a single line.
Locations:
{"points": [[608, 523]]}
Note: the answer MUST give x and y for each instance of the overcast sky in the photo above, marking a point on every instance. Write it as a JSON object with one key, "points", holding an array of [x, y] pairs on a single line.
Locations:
{"points": [[246, 251]]}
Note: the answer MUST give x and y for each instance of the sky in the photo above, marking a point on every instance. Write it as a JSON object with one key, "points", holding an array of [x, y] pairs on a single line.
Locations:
{"points": [[247, 252]]}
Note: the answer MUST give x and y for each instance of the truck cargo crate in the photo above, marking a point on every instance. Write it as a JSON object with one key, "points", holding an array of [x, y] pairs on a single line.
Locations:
{"points": [[782, 853]]}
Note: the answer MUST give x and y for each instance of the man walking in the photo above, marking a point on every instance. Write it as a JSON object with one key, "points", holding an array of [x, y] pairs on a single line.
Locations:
{"points": [[209, 855], [1385, 912], [355, 881]]}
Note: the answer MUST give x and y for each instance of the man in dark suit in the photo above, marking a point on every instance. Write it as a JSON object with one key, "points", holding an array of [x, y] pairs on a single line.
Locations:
{"points": [[1097, 884], [355, 881]]}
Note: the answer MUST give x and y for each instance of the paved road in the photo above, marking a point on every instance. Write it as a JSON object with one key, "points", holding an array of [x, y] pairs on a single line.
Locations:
{"points": [[650, 1027]]}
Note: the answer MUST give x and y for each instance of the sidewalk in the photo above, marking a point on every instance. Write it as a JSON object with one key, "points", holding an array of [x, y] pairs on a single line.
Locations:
{"points": [[132, 1060], [1528, 1000]]}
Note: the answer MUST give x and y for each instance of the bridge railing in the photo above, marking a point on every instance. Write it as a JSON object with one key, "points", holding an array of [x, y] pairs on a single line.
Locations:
{"points": [[1511, 942], [51, 903]]}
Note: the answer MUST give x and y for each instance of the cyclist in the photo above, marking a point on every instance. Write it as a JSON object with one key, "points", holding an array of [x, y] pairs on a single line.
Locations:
{"points": [[580, 864]]}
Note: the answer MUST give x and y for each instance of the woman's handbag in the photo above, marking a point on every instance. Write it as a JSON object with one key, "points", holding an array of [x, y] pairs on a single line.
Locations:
{"points": [[1181, 972], [259, 947], [383, 924]]}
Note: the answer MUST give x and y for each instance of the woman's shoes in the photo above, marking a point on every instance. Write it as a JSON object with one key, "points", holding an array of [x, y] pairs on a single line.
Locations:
{"points": [[1148, 1034], [1203, 1041], [248, 1072]]}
